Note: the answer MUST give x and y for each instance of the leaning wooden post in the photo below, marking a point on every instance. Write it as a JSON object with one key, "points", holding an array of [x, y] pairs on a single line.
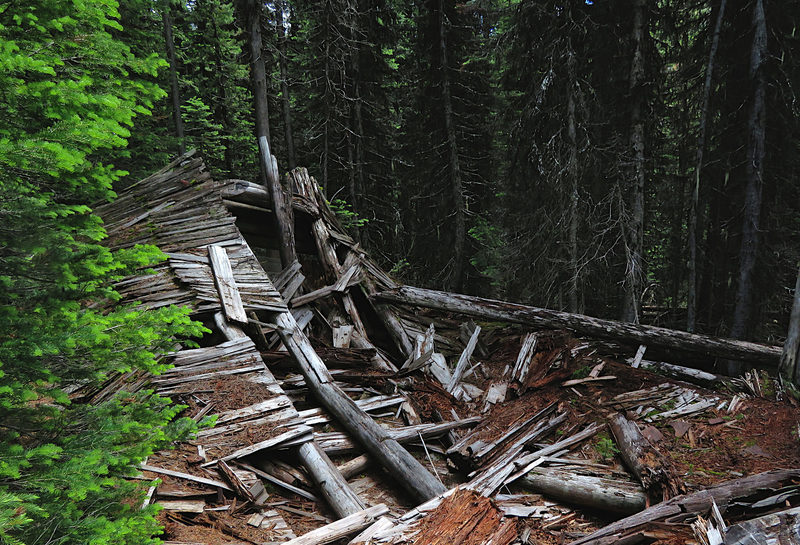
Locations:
{"points": [[376, 440], [269, 166]]}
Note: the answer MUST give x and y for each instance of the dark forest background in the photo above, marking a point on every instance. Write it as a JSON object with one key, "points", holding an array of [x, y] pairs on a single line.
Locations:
{"points": [[626, 159]]}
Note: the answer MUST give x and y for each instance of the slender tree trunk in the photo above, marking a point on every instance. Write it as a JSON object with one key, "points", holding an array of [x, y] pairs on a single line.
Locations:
{"points": [[328, 98], [635, 221], [754, 170], [791, 348], [173, 77], [572, 173], [357, 121], [691, 300], [222, 104], [269, 167], [283, 46], [456, 184]]}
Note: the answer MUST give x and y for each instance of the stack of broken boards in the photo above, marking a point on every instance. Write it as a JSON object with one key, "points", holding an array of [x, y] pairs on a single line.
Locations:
{"points": [[533, 436]]}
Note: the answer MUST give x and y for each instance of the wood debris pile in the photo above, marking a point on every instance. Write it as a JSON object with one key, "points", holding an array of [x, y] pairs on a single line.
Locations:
{"points": [[349, 408]]}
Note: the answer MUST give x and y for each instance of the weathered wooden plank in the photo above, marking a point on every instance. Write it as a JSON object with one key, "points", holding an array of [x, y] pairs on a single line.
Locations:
{"points": [[341, 528], [228, 292], [187, 476]]}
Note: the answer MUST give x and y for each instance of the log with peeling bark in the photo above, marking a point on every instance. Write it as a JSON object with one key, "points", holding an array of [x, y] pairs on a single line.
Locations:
{"points": [[650, 467], [745, 492], [491, 309], [387, 451], [613, 496]]}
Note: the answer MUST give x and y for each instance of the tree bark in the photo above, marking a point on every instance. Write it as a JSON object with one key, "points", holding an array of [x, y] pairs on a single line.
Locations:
{"points": [[283, 46], [269, 171], [754, 169], [691, 298], [572, 173], [456, 183], [791, 348], [634, 273], [173, 77], [585, 325]]}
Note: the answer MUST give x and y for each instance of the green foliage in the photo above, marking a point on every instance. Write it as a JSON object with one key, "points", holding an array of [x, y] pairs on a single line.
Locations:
{"points": [[605, 447], [70, 92], [344, 212]]}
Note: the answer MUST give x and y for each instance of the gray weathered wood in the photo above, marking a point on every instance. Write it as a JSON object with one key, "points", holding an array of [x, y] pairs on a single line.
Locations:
{"points": [[329, 480], [586, 325], [388, 452], [622, 497], [226, 285], [341, 528], [463, 361]]}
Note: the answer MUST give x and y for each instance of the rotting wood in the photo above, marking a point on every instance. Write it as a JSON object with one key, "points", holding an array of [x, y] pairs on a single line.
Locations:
{"points": [[186, 476], [782, 528], [761, 484], [226, 284], [241, 489], [621, 497], [409, 472], [491, 309], [463, 361], [341, 528], [183, 506], [650, 467]]}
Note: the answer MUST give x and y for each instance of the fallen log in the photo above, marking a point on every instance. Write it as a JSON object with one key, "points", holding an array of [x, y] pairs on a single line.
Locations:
{"points": [[341, 528], [331, 483], [491, 309], [375, 439], [651, 468], [621, 497], [684, 506]]}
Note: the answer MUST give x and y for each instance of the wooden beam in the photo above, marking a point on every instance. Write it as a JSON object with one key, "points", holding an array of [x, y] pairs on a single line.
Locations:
{"points": [[387, 451], [226, 285]]}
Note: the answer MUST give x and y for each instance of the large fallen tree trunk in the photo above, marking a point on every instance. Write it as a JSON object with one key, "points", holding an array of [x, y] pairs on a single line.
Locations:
{"points": [[491, 309], [745, 492], [377, 441]]}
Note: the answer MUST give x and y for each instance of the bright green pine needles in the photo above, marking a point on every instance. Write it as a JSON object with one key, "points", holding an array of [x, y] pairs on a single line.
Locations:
{"points": [[69, 91]]}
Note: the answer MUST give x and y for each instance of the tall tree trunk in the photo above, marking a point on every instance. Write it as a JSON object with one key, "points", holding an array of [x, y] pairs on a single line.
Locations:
{"points": [[754, 171], [456, 184], [691, 299], [634, 273], [269, 166], [791, 348], [173, 76], [572, 174], [283, 46], [222, 104]]}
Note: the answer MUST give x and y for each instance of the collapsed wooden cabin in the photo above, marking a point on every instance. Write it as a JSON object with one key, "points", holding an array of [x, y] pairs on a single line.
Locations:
{"points": [[348, 407]]}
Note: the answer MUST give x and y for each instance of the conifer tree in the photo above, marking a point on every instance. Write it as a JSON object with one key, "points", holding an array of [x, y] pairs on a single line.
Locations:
{"points": [[70, 93]]}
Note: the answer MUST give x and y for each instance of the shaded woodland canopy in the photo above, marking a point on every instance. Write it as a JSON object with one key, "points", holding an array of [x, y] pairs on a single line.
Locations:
{"points": [[623, 159]]}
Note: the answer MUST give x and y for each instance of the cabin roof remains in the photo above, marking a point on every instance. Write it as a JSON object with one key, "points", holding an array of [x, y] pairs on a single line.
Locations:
{"points": [[351, 408]]}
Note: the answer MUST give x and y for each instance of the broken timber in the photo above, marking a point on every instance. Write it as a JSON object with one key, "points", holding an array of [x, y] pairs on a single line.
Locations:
{"points": [[652, 469], [492, 309], [387, 451]]}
